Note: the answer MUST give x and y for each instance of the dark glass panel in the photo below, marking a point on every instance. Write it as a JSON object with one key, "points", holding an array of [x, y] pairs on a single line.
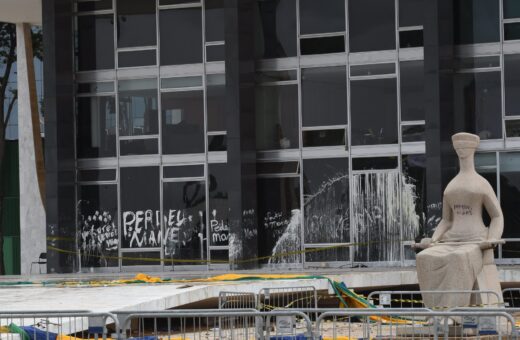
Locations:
{"points": [[95, 5], [216, 102], [215, 53], [374, 111], [97, 175], [270, 168], [322, 45], [177, 2], [96, 121], [222, 256], [147, 258], [371, 25], [341, 253], [412, 90], [180, 82], [511, 9], [137, 58], [512, 128], [330, 137], [182, 122], [512, 84], [184, 171], [279, 219], [97, 223], [477, 99], [217, 143], [413, 197], [276, 29], [510, 200], [326, 200], [136, 23], [412, 38], [140, 214], [181, 36], [512, 31], [184, 205], [107, 86], [374, 163], [317, 17], [476, 21], [324, 96], [413, 133], [277, 117], [215, 22], [138, 147], [372, 69], [218, 204], [95, 48], [274, 76], [138, 112], [477, 62], [411, 13]]}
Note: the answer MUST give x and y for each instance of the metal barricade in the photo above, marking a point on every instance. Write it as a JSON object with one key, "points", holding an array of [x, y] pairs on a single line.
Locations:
{"points": [[414, 299], [287, 298], [236, 300], [413, 324], [15, 325], [511, 297], [208, 324]]}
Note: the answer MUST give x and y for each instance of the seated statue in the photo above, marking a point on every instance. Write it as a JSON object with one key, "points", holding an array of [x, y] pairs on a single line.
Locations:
{"points": [[459, 256]]}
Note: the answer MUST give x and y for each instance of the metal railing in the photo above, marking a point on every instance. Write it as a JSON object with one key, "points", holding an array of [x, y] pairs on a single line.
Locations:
{"points": [[236, 300], [287, 298]]}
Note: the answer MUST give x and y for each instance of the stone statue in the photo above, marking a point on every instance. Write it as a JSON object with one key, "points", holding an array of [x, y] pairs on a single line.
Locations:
{"points": [[459, 256]]}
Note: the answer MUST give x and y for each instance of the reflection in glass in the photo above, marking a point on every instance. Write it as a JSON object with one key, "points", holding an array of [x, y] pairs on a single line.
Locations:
{"points": [[412, 90], [279, 219], [218, 204], [142, 258], [413, 133], [512, 84], [140, 214], [512, 128], [138, 113], [182, 122], [136, 23], [138, 147], [276, 29], [326, 200], [96, 133], [374, 111], [217, 142], [216, 102], [476, 21], [277, 117], [315, 17], [98, 228], [184, 206], [181, 36], [477, 98], [330, 137], [180, 82], [95, 48], [215, 28], [324, 96], [510, 200], [322, 45], [371, 25], [411, 13]]}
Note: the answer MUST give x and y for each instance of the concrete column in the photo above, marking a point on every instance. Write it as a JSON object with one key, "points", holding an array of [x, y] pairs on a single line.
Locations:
{"points": [[32, 171]]}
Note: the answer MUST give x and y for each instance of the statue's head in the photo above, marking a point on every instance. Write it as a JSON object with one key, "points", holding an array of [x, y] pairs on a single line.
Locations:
{"points": [[465, 144]]}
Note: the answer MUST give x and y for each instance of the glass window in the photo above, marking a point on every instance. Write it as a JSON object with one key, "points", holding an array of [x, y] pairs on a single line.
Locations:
{"points": [[136, 23], [276, 29], [140, 214], [215, 22], [315, 17], [215, 53], [218, 204], [374, 111], [95, 5], [138, 147], [184, 171], [142, 258], [265, 76], [477, 100], [322, 45], [326, 200], [374, 163], [98, 226], [511, 9], [181, 36], [184, 205], [138, 112], [97, 175], [512, 128], [279, 219], [95, 48], [324, 96], [372, 69], [411, 38], [182, 122], [512, 31], [277, 117], [412, 90], [510, 200], [476, 21], [217, 142], [328, 137], [216, 102], [371, 25], [96, 121], [136, 58], [411, 13], [512, 84], [99, 87], [413, 133], [180, 82]]}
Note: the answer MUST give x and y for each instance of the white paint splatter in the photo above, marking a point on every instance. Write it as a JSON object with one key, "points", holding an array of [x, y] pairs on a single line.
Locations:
{"points": [[290, 241]]}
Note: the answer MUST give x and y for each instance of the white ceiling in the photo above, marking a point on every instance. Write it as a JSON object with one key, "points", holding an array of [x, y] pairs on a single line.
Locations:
{"points": [[18, 11]]}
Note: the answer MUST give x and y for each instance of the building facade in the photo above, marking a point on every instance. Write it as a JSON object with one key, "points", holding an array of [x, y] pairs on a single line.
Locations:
{"points": [[185, 134]]}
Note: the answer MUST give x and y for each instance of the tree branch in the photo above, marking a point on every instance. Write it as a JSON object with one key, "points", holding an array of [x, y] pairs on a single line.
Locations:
{"points": [[9, 60], [10, 110]]}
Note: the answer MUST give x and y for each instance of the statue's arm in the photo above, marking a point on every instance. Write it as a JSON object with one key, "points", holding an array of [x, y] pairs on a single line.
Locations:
{"points": [[496, 227], [446, 221]]}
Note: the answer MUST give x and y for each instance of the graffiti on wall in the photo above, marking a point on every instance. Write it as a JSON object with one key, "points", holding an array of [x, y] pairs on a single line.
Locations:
{"points": [[289, 242], [98, 237]]}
